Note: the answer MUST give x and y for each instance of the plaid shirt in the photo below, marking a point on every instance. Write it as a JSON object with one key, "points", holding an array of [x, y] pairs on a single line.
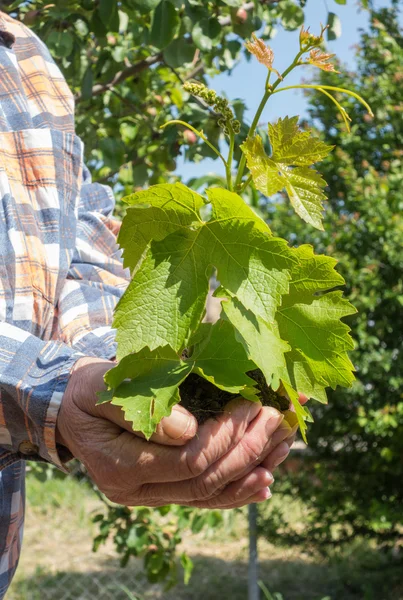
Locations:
{"points": [[60, 269]]}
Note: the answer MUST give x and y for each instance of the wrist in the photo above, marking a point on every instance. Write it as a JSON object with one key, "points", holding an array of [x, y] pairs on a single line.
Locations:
{"points": [[85, 381]]}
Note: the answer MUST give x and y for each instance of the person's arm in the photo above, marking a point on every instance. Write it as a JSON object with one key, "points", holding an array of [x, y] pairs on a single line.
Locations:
{"points": [[96, 279], [33, 378]]}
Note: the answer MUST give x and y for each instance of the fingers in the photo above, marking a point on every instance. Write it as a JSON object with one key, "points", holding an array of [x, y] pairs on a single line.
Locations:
{"points": [[242, 492], [148, 463], [303, 399], [249, 451], [276, 457]]}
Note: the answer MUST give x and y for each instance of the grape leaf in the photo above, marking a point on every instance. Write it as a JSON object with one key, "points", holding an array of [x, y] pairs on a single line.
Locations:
{"points": [[293, 146], [293, 151], [260, 339], [223, 361], [146, 384], [153, 387], [157, 212], [306, 347], [165, 300], [311, 324]]}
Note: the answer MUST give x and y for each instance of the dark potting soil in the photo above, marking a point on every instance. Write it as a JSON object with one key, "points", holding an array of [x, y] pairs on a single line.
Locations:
{"points": [[205, 401]]}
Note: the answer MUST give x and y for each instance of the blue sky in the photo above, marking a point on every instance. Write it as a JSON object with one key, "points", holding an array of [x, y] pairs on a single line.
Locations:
{"points": [[247, 79]]}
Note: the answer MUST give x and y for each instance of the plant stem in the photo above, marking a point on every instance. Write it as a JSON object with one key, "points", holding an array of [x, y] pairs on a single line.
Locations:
{"points": [[269, 90], [245, 184], [229, 161], [197, 132], [328, 87], [342, 111]]}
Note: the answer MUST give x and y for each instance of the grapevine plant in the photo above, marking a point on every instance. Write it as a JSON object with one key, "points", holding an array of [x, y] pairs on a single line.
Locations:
{"points": [[280, 331]]}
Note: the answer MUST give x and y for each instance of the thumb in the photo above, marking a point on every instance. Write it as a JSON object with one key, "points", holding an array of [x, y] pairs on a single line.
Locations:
{"points": [[175, 430]]}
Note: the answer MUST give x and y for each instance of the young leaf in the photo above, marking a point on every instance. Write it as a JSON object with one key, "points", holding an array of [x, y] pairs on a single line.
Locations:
{"points": [[293, 152], [293, 146], [153, 387], [165, 300]]}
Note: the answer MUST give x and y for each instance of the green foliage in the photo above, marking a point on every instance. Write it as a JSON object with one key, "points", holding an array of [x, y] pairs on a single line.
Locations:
{"points": [[174, 239], [126, 63], [270, 299], [153, 534], [291, 147], [358, 436]]}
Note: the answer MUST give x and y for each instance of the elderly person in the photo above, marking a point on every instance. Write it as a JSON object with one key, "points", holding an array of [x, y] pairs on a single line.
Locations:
{"points": [[60, 279]]}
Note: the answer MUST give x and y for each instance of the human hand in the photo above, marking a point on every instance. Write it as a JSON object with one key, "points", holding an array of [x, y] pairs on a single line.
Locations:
{"points": [[281, 452], [218, 468]]}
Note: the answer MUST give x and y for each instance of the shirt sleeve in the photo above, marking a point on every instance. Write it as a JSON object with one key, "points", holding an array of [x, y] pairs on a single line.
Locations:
{"points": [[33, 378], [96, 279], [34, 373]]}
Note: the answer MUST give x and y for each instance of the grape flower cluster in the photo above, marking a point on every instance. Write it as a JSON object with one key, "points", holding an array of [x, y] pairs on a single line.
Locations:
{"points": [[228, 123]]}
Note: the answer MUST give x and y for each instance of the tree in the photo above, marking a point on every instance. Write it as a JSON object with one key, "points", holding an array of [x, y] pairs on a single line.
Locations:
{"points": [[351, 480], [126, 63]]}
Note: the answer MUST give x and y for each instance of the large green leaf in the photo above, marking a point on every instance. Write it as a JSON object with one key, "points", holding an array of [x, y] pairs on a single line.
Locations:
{"points": [[156, 213], [220, 359], [311, 324], [305, 349], [293, 151], [260, 339], [166, 298], [165, 24]]}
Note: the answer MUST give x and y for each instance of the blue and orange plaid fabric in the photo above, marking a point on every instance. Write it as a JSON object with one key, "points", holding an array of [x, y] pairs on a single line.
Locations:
{"points": [[61, 273]]}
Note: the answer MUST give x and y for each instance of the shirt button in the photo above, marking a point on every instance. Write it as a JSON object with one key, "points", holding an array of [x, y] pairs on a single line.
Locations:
{"points": [[28, 449]]}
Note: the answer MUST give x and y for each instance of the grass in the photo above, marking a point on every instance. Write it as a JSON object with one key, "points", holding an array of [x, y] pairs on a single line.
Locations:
{"points": [[57, 561]]}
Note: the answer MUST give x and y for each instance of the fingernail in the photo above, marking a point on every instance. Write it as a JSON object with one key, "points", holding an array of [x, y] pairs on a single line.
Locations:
{"points": [[283, 451], [285, 426], [270, 477], [294, 430], [267, 494], [177, 424], [274, 413]]}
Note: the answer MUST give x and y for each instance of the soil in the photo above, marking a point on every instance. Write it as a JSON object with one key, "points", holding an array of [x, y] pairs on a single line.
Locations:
{"points": [[205, 401]]}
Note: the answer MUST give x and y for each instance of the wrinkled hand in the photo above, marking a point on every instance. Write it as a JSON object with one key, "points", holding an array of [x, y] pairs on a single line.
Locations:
{"points": [[226, 465]]}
